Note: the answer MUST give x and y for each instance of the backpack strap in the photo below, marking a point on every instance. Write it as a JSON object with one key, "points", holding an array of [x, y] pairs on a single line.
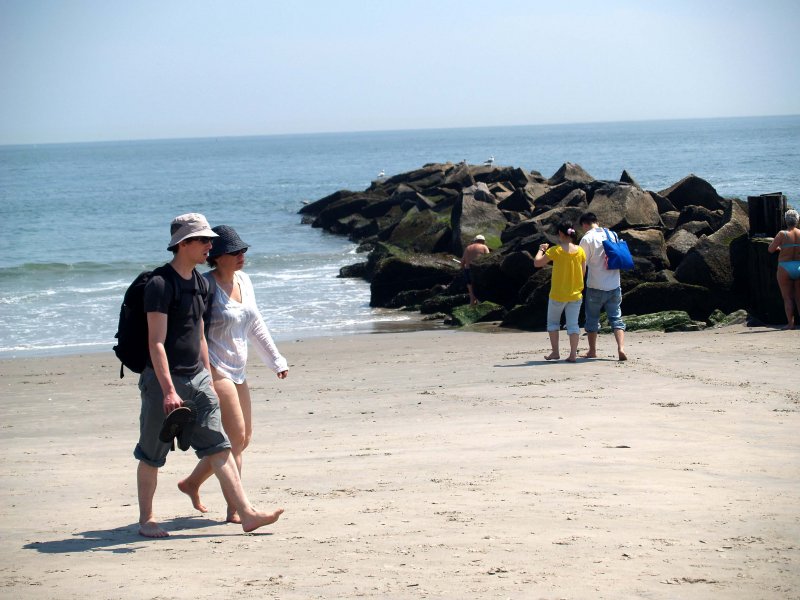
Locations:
{"points": [[211, 282]]}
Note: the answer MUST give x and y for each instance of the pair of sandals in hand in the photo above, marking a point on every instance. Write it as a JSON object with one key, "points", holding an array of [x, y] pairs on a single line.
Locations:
{"points": [[179, 426]]}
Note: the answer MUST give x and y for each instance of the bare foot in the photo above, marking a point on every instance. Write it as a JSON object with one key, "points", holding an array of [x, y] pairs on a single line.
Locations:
{"points": [[572, 358], [589, 354], [233, 517], [259, 519], [787, 328], [152, 530], [194, 494], [552, 356], [622, 355]]}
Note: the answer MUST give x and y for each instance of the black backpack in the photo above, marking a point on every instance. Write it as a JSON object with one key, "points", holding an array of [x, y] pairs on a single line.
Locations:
{"points": [[132, 336]]}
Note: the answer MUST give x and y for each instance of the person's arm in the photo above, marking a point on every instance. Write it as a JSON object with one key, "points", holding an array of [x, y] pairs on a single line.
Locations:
{"points": [[541, 259], [265, 346], [775, 246], [156, 334], [258, 334]]}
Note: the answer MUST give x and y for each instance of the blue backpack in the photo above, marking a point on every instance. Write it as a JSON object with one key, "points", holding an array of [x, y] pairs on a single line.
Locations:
{"points": [[618, 257]]}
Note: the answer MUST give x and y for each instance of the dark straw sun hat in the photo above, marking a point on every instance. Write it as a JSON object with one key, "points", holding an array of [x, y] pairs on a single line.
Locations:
{"points": [[227, 242]]}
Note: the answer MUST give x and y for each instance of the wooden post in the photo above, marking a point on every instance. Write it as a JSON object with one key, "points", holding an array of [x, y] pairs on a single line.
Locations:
{"points": [[765, 302], [766, 214]]}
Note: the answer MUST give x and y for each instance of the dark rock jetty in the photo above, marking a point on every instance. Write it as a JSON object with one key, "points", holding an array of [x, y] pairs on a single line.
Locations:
{"points": [[690, 245]]}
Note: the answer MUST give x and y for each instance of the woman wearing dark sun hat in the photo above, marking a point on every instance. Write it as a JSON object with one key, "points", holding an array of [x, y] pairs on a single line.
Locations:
{"points": [[235, 321]]}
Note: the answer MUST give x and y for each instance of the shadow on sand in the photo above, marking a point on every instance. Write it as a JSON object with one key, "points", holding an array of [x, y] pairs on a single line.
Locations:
{"points": [[123, 540]]}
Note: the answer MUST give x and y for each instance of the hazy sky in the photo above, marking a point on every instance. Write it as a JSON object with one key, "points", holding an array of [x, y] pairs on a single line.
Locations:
{"points": [[81, 70]]}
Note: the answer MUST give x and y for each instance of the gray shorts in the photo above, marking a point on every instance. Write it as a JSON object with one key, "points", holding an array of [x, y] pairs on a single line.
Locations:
{"points": [[207, 437]]}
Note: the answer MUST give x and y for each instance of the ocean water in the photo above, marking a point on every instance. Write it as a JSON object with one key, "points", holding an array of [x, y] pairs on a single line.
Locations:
{"points": [[79, 221]]}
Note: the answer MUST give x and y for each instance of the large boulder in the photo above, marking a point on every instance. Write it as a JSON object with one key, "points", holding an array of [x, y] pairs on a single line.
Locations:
{"points": [[443, 303], [663, 204], [428, 176], [518, 267], [517, 177], [314, 208], [628, 178], [696, 228], [570, 172], [459, 177], [622, 206], [530, 313], [692, 190], [554, 196], [670, 219], [483, 311], [710, 262], [471, 217], [547, 221], [399, 271], [714, 218], [343, 208], [649, 244], [668, 321], [655, 297], [490, 282], [678, 246], [518, 201], [422, 231]]}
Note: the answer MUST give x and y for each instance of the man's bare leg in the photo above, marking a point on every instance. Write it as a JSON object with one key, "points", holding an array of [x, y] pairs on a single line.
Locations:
{"points": [[472, 299], [225, 470], [554, 355], [592, 339], [619, 335], [191, 485], [146, 481]]}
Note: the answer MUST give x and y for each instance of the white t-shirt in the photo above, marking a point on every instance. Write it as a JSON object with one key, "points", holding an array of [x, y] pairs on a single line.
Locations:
{"points": [[599, 278], [232, 325]]}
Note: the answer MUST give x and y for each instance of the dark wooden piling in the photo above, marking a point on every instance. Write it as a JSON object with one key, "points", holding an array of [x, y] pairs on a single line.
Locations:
{"points": [[766, 214]]}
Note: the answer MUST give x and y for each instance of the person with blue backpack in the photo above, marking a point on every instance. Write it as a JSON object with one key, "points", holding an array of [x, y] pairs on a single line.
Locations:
{"points": [[606, 255], [177, 392]]}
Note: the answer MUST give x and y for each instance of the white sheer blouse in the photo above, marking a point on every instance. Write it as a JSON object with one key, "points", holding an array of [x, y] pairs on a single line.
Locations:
{"points": [[233, 324]]}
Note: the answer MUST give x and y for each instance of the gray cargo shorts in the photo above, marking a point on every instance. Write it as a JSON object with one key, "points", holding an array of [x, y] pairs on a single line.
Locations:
{"points": [[207, 438]]}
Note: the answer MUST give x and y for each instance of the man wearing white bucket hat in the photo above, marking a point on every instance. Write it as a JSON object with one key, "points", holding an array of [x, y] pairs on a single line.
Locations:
{"points": [[177, 377]]}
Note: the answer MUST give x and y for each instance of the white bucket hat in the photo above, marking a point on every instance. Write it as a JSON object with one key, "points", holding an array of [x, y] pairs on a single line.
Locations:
{"points": [[187, 226]]}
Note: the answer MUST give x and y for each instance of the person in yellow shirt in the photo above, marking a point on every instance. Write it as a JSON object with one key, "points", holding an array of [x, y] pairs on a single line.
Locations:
{"points": [[566, 285]]}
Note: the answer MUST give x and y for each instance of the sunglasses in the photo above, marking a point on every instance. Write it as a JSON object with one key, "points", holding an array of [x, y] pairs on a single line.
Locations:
{"points": [[237, 252], [202, 240]]}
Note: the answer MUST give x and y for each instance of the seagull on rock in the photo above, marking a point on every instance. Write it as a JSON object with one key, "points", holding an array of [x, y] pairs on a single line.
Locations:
{"points": [[489, 161]]}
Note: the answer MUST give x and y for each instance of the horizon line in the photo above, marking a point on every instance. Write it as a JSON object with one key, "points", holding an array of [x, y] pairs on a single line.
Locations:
{"points": [[366, 131]]}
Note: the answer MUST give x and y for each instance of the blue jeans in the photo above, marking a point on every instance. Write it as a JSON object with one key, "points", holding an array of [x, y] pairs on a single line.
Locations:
{"points": [[599, 300], [570, 309]]}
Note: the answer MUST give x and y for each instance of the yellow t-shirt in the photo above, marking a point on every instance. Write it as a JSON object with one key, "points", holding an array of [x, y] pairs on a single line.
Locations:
{"points": [[567, 282]]}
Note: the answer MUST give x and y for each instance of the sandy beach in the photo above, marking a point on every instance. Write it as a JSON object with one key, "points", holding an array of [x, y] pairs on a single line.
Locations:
{"points": [[434, 464]]}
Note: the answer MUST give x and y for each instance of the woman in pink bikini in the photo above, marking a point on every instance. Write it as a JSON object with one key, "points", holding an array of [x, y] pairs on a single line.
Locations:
{"points": [[787, 243]]}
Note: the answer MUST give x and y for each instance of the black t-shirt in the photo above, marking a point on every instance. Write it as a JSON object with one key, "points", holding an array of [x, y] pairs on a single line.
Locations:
{"points": [[184, 308]]}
